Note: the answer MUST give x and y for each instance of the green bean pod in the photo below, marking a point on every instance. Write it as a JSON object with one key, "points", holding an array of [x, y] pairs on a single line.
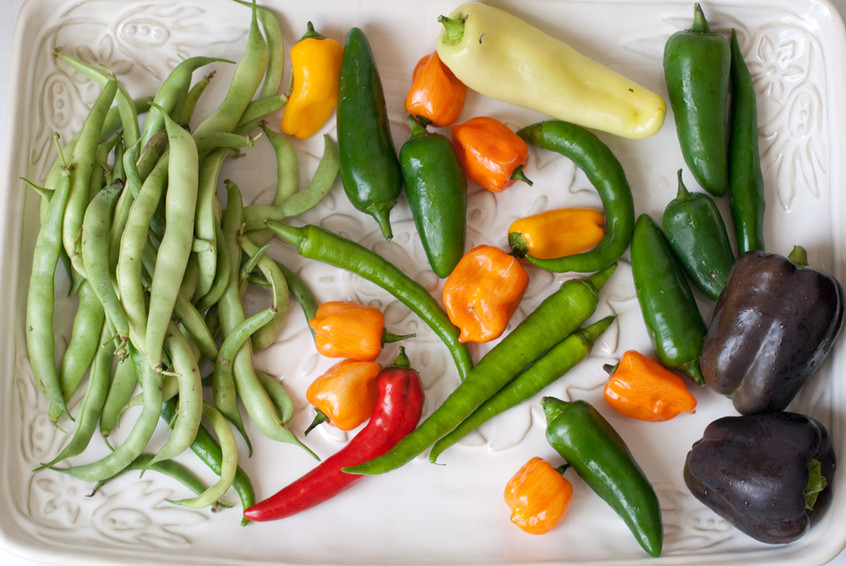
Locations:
{"points": [[120, 392], [696, 69], [370, 169], [317, 243], [591, 446], [548, 368], [436, 187], [676, 327], [746, 180], [560, 314], [606, 174], [698, 236]]}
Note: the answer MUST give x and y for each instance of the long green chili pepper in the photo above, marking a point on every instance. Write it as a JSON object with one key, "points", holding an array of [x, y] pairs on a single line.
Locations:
{"points": [[696, 232], [560, 314], [552, 365], [370, 169], [597, 453], [606, 174], [676, 327], [318, 243], [436, 187], [746, 180], [696, 69]]}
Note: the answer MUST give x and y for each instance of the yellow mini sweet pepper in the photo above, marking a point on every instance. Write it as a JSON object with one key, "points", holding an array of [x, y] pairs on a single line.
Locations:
{"points": [[539, 496], [345, 394], [316, 64], [557, 233], [483, 292]]}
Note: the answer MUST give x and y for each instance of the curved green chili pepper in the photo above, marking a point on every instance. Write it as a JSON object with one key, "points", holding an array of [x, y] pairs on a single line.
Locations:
{"points": [[590, 445], [669, 308], [317, 243], [696, 68], [560, 314], [370, 169], [606, 174], [436, 187], [746, 180], [552, 365], [698, 236]]}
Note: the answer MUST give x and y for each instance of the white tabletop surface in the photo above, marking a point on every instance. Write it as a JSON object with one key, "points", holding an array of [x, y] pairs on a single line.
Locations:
{"points": [[8, 14]]}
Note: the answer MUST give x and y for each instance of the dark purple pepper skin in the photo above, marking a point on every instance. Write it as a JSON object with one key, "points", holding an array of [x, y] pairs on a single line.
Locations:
{"points": [[752, 470], [773, 325]]}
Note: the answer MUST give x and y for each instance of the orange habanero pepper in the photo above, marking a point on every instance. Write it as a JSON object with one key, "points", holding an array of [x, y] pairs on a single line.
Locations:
{"points": [[483, 292], [435, 93], [316, 62], [344, 329], [492, 154], [641, 388], [557, 233], [539, 496], [345, 394]]}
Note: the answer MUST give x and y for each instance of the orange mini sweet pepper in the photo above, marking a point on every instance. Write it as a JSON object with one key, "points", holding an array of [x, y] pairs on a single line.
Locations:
{"points": [[483, 292], [557, 233], [641, 388], [435, 93], [492, 154], [345, 394], [344, 329], [539, 496], [316, 64]]}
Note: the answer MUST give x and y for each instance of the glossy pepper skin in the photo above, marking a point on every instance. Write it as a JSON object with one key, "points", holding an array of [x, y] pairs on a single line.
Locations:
{"points": [[641, 388], [398, 409], [774, 324], [556, 233], [490, 152], [345, 394], [343, 329], [597, 453], [370, 169], [676, 327], [316, 63], [697, 69], [696, 232], [483, 292], [436, 95], [769, 474], [436, 188], [502, 56], [539, 496]]}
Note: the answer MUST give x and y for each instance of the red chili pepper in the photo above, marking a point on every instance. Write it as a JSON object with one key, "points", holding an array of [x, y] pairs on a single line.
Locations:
{"points": [[398, 410]]}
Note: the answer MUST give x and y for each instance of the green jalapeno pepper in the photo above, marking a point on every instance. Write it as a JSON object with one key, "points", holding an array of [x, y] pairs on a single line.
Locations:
{"points": [[746, 180], [698, 236], [606, 174], [436, 188], [370, 169], [696, 68], [676, 327], [597, 453]]}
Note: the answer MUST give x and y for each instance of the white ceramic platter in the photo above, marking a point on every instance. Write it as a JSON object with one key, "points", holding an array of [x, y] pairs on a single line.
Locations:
{"points": [[451, 513]]}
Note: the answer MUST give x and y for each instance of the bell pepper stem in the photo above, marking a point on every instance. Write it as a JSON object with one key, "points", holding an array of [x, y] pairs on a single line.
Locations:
{"points": [[799, 256], [418, 124], [402, 360], [519, 175], [388, 338], [683, 193], [319, 419], [816, 483], [453, 29], [311, 33]]}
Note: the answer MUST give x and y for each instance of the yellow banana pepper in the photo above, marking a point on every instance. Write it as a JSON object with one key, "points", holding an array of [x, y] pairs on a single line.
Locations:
{"points": [[556, 233], [499, 55], [316, 63]]}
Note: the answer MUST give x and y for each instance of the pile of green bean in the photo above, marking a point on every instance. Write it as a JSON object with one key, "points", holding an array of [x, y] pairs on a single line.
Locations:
{"points": [[131, 209]]}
